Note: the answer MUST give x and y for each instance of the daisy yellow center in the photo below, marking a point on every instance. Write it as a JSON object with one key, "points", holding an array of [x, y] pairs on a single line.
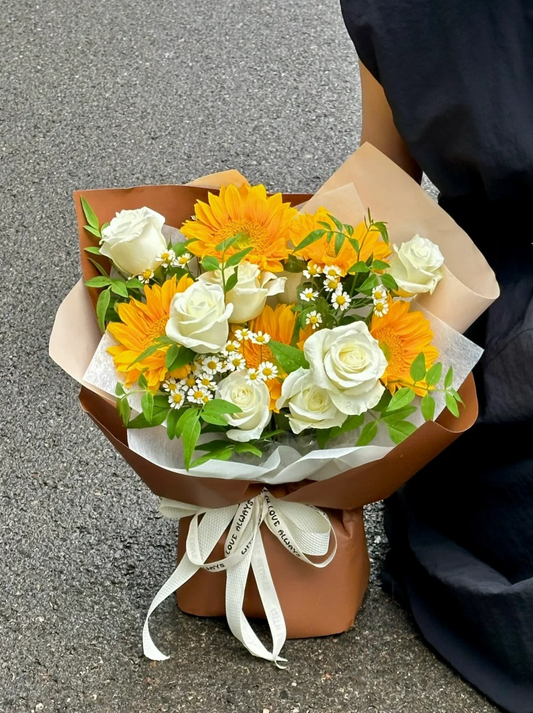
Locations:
{"points": [[251, 234], [341, 299]]}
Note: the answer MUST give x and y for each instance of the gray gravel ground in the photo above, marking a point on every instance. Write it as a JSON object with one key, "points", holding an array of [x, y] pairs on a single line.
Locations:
{"points": [[107, 93]]}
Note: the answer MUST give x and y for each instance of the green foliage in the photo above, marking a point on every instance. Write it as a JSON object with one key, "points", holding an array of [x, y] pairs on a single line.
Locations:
{"points": [[389, 282], [289, 358], [93, 224], [428, 407], [101, 307], [310, 239], [210, 263], [418, 368], [400, 430], [236, 258], [368, 434], [178, 356]]}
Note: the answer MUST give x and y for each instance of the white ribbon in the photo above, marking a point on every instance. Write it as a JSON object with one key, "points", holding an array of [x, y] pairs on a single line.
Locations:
{"points": [[301, 529]]}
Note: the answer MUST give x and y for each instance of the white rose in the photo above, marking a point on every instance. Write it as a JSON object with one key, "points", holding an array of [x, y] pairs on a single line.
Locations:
{"points": [[133, 240], [416, 266], [347, 361], [250, 294], [253, 398], [198, 318], [310, 405]]}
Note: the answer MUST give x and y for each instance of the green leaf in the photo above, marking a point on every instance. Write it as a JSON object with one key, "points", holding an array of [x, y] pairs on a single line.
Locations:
{"points": [[352, 423], [221, 406], [309, 239], [382, 227], [210, 263], [101, 281], [399, 414], [237, 257], [104, 226], [384, 401], [451, 404], [93, 231], [289, 358], [369, 284], [92, 249], [190, 435], [434, 374], [101, 307], [428, 407], [448, 379], [157, 344], [401, 398], [368, 434], [457, 396], [380, 265], [389, 282], [338, 224], [228, 242], [322, 436], [294, 265], [89, 214], [119, 389], [190, 414], [355, 244], [418, 368], [325, 225], [222, 454], [147, 404], [173, 417], [119, 288], [348, 229], [359, 267], [134, 284], [232, 280], [143, 384], [171, 355], [248, 448], [339, 242], [400, 430], [124, 410], [141, 422], [214, 419], [99, 267]]}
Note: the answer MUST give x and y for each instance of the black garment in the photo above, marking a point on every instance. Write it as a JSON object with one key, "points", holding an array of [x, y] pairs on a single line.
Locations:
{"points": [[458, 75]]}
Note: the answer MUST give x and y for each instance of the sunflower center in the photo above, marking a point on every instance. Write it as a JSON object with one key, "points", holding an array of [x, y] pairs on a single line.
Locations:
{"points": [[392, 346], [251, 235]]}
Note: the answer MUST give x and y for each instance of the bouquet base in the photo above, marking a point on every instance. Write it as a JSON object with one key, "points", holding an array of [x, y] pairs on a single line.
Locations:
{"points": [[315, 602]]}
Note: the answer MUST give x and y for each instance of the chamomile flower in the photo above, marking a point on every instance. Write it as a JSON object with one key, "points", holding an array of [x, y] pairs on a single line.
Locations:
{"points": [[145, 276], [170, 384], [176, 399], [341, 300], [182, 260], [267, 370], [206, 382], [332, 284], [199, 395], [260, 338], [167, 258], [312, 270], [379, 294], [253, 375], [314, 319], [236, 362], [198, 367], [212, 364], [332, 271], [231, 347], [381, 308], [243, 334], [188, 382], [308, 294]]}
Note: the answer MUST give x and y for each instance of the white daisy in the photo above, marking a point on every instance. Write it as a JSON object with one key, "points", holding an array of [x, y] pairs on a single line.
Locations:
{"points": [[176, 399], [145, 276], [167, 258], [332, 271], [212, 364], [379, 294], [236, 362], [308, 295], [231, 347], [381, 308], [341, 300], [182, 260], [314, 318], [260, 338], [312, 270], [199, 395], [254, 375], [243, 334], [170, 384], [268, 370], [332, 284], [206, 382], [188, 382]]}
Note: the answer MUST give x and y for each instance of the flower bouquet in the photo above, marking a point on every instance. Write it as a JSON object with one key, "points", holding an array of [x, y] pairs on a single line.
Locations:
{"points": [[265, 357]]}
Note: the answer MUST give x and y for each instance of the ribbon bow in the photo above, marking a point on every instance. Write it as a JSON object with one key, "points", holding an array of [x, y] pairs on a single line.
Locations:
{"points": [[301, 529]]}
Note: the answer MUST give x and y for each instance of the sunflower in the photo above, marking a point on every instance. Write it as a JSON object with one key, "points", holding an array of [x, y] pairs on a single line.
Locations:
{"points": [[403, 335], [279, 324], [262, 222], [323, 253], [140, 324]]}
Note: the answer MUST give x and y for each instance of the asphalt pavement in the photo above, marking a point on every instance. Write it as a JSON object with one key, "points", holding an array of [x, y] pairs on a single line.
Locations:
{"points": [[108, 94]]}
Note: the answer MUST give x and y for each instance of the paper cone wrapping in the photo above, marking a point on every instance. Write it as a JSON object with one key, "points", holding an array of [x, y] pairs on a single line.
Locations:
{"points": [[315, 602]]}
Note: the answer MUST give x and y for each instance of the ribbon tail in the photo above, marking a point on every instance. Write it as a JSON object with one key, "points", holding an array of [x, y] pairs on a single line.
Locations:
{"points": [[269, 599], [183, 572]]}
